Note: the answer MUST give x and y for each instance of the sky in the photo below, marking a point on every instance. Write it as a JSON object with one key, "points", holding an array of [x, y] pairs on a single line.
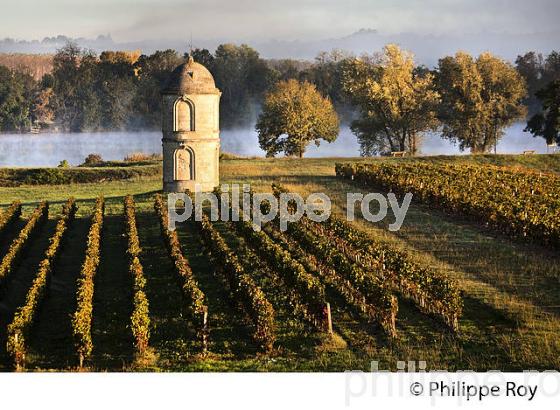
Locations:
{"points": [[287, 20]]}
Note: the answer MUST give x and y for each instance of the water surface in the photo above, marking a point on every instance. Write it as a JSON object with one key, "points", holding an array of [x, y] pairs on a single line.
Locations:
{"points": [[48, 149]]}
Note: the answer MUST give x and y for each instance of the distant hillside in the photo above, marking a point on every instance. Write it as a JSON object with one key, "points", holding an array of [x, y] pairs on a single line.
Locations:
{"points": [[427, 48], [49, 45]]}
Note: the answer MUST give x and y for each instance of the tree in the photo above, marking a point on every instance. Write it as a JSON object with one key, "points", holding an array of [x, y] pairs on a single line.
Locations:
{"points": [[326, 74], [89, 101], [16, 92], [66, 81], [551, 71], [152, 73], [531, 67], [479, 99], [41, 111], [202, 56], [397, 104], [538, 72], [115, 84], [287, 69], [75, 101], [546, 124], [293, 115], [243, 77]]}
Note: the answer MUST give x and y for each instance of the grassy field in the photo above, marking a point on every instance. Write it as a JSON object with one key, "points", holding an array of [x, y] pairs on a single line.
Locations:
{"points": [[511, 318]]}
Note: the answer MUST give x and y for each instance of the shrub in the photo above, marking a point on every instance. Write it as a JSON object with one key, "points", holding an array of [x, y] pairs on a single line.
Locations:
{"points": [[93, 159], [376, 295], [64, 164], [140, 156]]}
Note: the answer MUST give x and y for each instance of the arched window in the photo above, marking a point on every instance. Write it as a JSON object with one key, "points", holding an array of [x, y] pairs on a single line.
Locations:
{"points": [[183, 115], [183, 159]]}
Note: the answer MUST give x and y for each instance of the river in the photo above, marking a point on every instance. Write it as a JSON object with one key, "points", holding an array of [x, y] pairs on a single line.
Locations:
{"points": [[48, 149]]}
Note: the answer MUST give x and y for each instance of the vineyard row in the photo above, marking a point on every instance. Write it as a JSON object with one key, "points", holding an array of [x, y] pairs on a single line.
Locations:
{"points": [[517, 203], [20, 327]]}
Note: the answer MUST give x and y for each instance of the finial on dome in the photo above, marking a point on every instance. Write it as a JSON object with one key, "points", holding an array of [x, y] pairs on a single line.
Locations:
{"points": [[191, 58]]}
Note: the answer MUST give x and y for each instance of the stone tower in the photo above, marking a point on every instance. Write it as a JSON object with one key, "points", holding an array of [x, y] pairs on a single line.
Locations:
{"points": [[191, 129]]}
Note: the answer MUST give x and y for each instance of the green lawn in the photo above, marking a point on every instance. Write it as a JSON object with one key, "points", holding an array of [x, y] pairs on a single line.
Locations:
{"points": [[511, 290]]}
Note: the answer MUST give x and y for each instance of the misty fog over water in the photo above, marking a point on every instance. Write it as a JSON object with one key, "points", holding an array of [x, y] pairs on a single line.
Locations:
{"points": [[48, 149]]}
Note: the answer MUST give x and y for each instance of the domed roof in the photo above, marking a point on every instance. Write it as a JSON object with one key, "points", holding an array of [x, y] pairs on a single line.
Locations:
{"points": [[190, 78]]}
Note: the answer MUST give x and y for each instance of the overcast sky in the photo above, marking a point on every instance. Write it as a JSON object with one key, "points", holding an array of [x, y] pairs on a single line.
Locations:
{"points": [[251, 20]]}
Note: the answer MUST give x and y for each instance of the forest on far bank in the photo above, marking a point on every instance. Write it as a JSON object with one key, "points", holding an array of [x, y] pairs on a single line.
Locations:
{"points": [[77, 90]]}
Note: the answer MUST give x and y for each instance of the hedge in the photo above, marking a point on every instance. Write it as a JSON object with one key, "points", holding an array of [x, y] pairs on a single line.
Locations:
{"points": [[12, 177]]}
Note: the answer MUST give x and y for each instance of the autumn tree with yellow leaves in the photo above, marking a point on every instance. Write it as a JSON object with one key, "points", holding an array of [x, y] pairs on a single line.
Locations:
{"points": [[397, 102], [295, 114]]}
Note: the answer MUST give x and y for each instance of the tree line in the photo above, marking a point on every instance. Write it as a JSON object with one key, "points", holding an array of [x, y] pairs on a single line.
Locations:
{"points": [[119, 90], [390, 101], [469, 100]]}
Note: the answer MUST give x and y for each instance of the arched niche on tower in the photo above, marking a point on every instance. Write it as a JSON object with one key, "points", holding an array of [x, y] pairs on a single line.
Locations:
{"points": [[183, 115], [183, 164]]}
